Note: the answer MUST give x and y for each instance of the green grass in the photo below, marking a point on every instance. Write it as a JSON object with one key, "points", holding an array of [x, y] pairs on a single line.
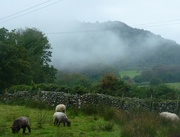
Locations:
{"points": [[112, 123], [82, 125], [130, 73], [174, 85]]}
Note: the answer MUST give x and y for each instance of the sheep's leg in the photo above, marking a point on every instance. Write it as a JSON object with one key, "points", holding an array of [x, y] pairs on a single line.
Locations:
{"points": [[58, 124], [64, 124], [29, 128], [24, 129], [55, 122]]}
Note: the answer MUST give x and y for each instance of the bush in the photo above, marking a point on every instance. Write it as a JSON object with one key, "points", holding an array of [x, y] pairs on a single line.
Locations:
{"points": [[47, 87], [79, 90], [20, 88]]}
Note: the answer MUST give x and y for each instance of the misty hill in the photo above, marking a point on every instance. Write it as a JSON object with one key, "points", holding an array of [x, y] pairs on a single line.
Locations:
{"points": [[112, 44]]}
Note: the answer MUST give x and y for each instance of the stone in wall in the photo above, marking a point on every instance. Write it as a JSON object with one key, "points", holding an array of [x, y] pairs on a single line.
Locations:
{"points": [[74, 100]]}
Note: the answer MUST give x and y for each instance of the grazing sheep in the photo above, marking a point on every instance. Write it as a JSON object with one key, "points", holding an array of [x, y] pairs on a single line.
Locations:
{"points": [[21, 122], [60, 108], [170, 116], [60, 117]]}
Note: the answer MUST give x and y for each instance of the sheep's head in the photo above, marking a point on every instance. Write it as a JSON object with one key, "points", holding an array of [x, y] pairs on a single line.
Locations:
{"points": [[15, 129], [68, 123]]}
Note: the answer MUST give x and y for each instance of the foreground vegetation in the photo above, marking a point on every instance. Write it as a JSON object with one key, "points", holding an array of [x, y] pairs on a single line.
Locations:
{"points": [[42, 123], [89, 122]]}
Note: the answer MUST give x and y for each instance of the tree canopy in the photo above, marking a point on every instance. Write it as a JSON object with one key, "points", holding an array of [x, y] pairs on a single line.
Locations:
{"points": [[24, 57]]}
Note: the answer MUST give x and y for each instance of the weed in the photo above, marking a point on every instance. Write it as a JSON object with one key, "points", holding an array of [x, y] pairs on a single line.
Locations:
{"points": [[108, 126], [41, 118]]}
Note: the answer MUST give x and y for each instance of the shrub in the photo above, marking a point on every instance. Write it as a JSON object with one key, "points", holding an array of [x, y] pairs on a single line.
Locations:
{"points": [[79, 90], [47, 87], [19, 88]]}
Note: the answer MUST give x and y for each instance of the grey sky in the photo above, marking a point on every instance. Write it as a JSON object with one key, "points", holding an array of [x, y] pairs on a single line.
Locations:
{"points": [[158, 16], [134, 13]]}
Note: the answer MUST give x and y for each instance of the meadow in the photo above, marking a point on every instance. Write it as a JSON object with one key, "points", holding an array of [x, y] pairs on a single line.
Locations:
{"points": [[129, 73], [175, 85], [42, 123], [132, 73], [89, 122]]}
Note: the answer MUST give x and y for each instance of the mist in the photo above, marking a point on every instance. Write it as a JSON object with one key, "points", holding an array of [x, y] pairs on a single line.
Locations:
{"points": [[79, 45]]}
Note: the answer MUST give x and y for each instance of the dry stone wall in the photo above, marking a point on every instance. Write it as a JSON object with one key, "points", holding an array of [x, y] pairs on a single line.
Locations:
{"points": [[75, 100]]}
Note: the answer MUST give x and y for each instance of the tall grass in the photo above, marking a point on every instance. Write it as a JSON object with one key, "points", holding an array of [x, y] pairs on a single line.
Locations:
{"points": [[140, 123]]}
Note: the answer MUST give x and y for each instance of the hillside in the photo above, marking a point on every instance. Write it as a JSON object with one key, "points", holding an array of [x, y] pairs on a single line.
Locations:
{"points": [[113, 44]]}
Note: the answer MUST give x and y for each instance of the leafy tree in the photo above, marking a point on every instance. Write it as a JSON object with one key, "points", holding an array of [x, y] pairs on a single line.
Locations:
{"points": [[112, 85], [24, 57], [162, 73], [73, 79], [155, 81]]}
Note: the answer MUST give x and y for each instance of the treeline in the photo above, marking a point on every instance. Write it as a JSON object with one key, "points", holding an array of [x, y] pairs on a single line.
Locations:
{"points": [[112, 84], [160, 74], [109, 84]]}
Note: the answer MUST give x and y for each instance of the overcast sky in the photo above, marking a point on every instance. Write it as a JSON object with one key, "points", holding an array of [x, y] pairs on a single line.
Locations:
{"points": [[161, 17]]}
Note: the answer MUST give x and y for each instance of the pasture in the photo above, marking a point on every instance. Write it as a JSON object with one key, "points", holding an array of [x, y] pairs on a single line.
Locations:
{"points": [[111, 123], [42, 124], [174, 85], [129, 73]]}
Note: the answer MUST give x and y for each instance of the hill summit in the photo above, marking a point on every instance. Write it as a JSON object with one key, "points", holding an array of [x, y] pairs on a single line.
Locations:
{"points": [[113, 43]]}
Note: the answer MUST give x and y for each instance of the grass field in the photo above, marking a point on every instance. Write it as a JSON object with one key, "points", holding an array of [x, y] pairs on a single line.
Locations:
{"points": [[135, 123], [130, 73], [42, 124], [174, 85]]}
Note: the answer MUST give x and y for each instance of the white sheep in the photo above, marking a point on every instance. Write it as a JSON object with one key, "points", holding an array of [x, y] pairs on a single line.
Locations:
{"points": [[170, 116], [60, 117], [60, 108]]}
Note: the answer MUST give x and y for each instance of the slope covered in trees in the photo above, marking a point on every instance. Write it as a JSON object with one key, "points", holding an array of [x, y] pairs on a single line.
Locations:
{"points": [[95, 49], [113, 44]]}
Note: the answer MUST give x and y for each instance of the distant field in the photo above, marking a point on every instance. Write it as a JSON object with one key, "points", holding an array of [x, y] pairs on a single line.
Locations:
{"points": [[130, 73], [174, 85]]}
